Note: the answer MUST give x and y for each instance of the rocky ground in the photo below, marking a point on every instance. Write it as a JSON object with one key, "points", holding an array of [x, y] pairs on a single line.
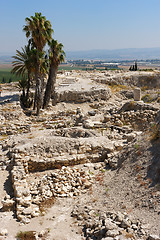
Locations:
{"points": [[86, 168]]}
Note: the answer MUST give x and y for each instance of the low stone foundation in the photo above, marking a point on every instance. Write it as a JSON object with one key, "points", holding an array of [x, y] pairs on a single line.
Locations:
{"points": [[84, 96]]}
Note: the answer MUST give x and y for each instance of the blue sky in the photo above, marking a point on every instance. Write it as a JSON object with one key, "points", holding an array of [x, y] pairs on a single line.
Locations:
{"points": [[85, 24]]}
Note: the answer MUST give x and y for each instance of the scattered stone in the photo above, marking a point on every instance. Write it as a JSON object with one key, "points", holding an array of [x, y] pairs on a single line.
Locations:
{"points": [[112, 233], [92, 113], [8, 204], [153, 237], [3, 232]]}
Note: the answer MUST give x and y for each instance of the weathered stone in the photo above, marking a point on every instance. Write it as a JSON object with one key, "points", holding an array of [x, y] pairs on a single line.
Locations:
{"points": [[130, 137], [8, 204], [113, 163], [107, 238], [153, 237], [109, 225], [87, 184], [119, 217], [112, 233], [41, 233], [137, 94], [92, 113], [27, 211], [134, 226], [25, 220], [125, 223], [34, 214], [3, 232], [107, 118], [122, 237]]}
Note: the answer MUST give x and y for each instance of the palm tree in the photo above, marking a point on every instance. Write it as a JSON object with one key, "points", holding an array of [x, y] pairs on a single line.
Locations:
{"points": [[24, 64], [56, 56], [40, 30], [22, 85]]}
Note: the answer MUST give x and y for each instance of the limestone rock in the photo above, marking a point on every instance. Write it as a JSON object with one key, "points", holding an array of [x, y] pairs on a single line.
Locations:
{"points": [[153, 237], [112, 233], [8, 204], [3, 232]]}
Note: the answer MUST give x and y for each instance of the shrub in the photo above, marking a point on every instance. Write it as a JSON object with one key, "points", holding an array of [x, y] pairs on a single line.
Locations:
{"points": [[29, 235]]}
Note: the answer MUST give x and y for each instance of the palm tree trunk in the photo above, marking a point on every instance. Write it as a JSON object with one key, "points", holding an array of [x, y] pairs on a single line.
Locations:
{"points": [[36, 87], [28, 85], [50, 87], [23, 94], [35, 98], [39, 95], [38, 91]]}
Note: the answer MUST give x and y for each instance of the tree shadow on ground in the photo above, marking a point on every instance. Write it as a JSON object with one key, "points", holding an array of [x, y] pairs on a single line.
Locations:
{"points": [[9, 98]]}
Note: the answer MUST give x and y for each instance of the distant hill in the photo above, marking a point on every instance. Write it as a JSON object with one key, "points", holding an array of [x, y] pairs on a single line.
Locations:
{"points": [[116, 54], [6, 58]]}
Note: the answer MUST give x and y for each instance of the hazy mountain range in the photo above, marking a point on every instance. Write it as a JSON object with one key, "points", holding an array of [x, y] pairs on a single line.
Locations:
{"points": [[5, 58], [116, 54]]}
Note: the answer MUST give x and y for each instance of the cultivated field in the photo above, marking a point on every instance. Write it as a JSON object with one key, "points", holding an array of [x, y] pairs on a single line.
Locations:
{"points": [[5, 74]]}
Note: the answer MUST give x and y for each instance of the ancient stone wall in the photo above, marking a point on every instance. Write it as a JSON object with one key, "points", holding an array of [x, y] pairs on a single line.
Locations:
{"points": [[84, 96]]}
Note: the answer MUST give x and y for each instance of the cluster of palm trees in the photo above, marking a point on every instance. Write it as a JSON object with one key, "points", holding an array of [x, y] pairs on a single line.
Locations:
{"points": [[33, 63]]}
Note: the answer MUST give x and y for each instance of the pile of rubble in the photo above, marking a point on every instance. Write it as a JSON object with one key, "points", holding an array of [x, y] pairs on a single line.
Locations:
{"points": [[113, 225], [137, 115], [64, 182], [31, 191], [140, 79], [14, 129]]}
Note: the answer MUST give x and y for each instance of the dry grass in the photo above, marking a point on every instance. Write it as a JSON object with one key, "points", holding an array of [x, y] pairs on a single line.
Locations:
{"points": [[138, 168], [141, 181], [116, 88], [100, 178], [28, 235], [30, 136], [129, 235], [3, 137], [5, 109], [147, 98], [46, 204]]}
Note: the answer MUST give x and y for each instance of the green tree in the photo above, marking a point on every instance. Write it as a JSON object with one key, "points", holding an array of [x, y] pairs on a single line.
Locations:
{"points": [[24, 64], [39, 29], [56, 56], [3, 80], [135, 68]]}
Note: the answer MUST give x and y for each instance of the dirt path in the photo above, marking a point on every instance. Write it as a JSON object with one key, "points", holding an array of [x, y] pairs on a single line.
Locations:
{"points": [[57, 220]]}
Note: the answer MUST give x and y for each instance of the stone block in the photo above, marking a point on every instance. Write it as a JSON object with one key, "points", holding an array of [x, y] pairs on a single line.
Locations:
{"points": [[137, 94]]}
